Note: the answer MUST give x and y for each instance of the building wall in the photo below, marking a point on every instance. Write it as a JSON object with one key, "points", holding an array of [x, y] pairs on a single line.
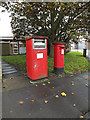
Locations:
{"points": [[88, 45], [14, 48], [5, 49]]}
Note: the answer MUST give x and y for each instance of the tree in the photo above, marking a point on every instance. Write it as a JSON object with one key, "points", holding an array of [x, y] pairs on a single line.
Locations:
{"points": [[59, 21]]}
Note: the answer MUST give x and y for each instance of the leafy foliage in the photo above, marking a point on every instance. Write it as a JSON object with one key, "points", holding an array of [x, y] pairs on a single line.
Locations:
{"points": [[58, 20]]}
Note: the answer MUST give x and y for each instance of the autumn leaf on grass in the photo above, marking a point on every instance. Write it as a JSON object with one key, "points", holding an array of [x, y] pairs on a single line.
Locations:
{"points": [[79, 71], [43, 84], [21, 102], [49, 82], [46, 101], [65, 11], [36, 85], [25, 74], [63, 94]]}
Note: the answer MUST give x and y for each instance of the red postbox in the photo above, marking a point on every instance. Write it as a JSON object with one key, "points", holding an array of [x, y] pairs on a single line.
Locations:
{"points": [[59, 57], [36, 52]]}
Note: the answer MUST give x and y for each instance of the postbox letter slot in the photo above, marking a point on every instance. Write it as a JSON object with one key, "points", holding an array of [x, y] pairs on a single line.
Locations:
{"points": [[39, 44], [62, 47]]}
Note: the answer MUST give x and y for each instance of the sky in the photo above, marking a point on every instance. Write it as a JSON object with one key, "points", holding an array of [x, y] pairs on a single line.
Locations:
{"points": [[5, 27]]}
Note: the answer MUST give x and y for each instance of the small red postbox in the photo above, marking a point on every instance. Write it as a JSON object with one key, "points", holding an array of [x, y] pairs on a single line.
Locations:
{"points": [[59, 48], [36, 55]]}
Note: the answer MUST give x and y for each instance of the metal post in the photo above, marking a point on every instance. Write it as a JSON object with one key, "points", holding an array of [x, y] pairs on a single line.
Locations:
{"points": [[18, 46], [84, 52]]}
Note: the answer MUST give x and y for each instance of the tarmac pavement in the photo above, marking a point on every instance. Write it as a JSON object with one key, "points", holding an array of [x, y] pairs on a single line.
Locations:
{"points": [[18, 88]]}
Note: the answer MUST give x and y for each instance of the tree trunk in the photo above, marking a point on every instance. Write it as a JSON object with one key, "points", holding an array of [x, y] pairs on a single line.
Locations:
{"points": [[51, 50]]}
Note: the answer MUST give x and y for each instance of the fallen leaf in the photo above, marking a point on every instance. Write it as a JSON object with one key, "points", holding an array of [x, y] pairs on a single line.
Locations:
{"points": [[49, 82], [36, 85], [53, 87], [57, 96], [63, 94], [32, 100], [46, 101], [86, 79], [11, 77], [74, 105], [58, 90], [21, 102], [86, 84], [73, 93], [43, 84], [24, 74], [81, 116], [73, 84]]}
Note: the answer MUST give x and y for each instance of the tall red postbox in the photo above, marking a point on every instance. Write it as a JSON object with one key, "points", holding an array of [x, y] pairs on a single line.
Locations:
{"points": [[36, 56], [59, 48]]}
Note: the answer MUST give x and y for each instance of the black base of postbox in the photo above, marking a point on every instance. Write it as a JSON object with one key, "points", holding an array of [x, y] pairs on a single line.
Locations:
{"points": [[58, 70], [37, 79]]}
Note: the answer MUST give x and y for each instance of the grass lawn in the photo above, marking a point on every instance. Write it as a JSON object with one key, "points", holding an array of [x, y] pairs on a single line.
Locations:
{"points": [[74, 62]]}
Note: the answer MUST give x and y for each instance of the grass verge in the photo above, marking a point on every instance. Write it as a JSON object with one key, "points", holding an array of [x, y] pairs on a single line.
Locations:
{"points": [[74, 62]]}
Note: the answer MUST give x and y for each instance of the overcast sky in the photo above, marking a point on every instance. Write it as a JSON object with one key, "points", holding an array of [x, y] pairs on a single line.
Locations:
{"points": [[5, 28]]}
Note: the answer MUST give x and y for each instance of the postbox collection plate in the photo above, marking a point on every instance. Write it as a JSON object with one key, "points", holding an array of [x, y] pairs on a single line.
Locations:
{"points": [[39, 55], [62, 51]]}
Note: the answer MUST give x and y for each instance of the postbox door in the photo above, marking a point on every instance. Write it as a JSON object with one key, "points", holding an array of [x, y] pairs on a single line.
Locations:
{"points": [[39, 59]]}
